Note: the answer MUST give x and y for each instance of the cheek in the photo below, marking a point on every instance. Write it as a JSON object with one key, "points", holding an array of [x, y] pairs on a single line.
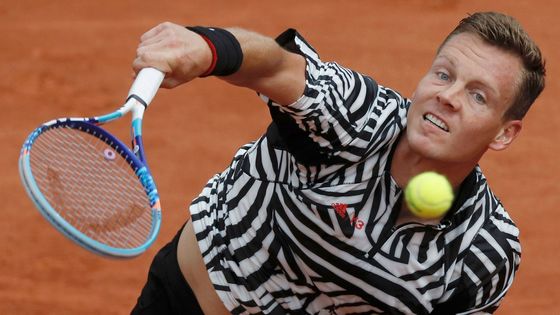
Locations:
{"points": [[478, 134], [481, 121], [424, 92], [420, 88], [418, 92]]}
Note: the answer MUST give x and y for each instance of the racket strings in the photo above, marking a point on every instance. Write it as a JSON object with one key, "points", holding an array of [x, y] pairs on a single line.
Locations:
{"points": [[91, 186]]}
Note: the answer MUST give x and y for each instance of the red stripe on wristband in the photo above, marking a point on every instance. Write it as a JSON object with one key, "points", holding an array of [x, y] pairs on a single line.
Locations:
{"points": [[228, 55], [214, 57]]}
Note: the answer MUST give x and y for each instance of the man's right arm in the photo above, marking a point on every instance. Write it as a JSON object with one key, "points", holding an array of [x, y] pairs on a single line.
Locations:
{"points": [[184, 55]]}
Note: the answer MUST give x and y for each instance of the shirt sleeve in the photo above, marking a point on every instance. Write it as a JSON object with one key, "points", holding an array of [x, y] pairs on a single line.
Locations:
{"points": [[342, 114], [488, 270]]}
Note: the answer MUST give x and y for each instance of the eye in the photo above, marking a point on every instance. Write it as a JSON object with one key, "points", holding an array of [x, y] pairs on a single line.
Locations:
{"points": [[479, 98], [442, 76]]}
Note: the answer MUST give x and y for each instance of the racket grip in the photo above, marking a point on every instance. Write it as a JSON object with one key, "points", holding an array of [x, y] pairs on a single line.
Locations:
{"points": [[146, 84]]}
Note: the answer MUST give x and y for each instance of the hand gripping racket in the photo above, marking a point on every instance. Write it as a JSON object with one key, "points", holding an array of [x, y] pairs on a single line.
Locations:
{"points": [[91, 186]]}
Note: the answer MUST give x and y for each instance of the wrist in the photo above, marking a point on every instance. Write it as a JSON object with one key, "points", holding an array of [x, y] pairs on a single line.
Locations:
{"points": [[227, 55]]}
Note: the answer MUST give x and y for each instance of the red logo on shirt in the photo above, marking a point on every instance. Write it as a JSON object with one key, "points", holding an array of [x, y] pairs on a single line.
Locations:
{"points": [[340, 209]]}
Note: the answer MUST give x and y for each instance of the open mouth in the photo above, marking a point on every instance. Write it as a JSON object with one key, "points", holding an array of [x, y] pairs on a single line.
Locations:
{"points": [[436, 122]]}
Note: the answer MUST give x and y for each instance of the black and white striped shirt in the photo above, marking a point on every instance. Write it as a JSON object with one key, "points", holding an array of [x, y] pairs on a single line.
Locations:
{"points": [[303, 220]]}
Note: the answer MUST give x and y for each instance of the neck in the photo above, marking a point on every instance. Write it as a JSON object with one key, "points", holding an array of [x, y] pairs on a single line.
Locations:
{"points": [[407, 163]]}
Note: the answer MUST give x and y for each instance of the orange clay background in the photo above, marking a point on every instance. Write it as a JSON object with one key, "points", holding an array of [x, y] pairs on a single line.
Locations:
{"points": [[72, 58]]}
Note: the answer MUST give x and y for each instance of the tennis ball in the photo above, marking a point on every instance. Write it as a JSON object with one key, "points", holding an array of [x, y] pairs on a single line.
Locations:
{"points": [[429, 195]]}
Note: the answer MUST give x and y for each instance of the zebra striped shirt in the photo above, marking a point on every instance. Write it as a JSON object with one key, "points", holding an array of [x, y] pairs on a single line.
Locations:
{"points": [[303, 219]]}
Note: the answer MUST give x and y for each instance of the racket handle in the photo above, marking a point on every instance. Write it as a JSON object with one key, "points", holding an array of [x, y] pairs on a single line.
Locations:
{"points": [[146, 84]]}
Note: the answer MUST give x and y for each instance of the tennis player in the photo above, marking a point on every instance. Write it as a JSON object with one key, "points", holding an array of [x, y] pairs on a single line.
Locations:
{"points": [[310, 218]]}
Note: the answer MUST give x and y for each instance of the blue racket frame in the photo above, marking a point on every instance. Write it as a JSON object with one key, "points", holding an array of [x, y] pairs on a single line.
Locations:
{"points": [[142, 92], [137, 163]]}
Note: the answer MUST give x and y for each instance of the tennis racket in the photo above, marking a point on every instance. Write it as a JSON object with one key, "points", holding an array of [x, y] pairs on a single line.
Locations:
{"points": [[89, 185]]}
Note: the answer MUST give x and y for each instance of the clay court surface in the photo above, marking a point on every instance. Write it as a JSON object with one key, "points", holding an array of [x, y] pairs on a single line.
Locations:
{"points": [[72, 58]]}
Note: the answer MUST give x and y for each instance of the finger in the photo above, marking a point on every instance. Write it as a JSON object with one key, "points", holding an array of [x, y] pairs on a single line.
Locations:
{"points": [[154, 59], [141, 63], [150, 41], [137, 65], [156, 44], [169, 83], [152, 32], [157, 38], [157, 30]]}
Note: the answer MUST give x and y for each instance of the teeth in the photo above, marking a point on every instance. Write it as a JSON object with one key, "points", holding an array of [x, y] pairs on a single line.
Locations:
{"points": [[436, 121]]}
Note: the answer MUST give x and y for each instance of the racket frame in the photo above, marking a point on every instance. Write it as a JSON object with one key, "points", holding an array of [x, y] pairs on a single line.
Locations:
{"points": [[140, 95]]}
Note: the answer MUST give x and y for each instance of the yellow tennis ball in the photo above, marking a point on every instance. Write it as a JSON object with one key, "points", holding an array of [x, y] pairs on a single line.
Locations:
{"points": [[429, 195]]}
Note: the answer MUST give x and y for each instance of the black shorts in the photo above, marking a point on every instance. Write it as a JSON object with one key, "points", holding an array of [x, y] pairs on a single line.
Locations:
{"points": [[166, 291]]}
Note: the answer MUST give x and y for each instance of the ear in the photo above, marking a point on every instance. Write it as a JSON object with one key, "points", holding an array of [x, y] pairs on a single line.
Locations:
{"points": [[507, 134]]}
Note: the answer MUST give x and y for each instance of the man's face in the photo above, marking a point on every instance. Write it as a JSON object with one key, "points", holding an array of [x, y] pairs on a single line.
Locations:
{"points": [[457, 109]]}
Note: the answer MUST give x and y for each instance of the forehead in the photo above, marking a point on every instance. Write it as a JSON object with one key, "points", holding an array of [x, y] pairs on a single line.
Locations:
{"points": [[475, 59]]}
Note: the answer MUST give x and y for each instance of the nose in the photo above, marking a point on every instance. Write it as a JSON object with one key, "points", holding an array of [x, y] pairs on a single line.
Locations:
{"points": [[449, 96]]}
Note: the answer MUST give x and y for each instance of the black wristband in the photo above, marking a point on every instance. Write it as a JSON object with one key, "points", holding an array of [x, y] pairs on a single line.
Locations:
{"points": [[226, 51]]}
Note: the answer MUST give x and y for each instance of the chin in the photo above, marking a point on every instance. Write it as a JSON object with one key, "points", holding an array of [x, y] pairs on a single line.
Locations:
{"points": [[424, 146], [439, 152]]}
